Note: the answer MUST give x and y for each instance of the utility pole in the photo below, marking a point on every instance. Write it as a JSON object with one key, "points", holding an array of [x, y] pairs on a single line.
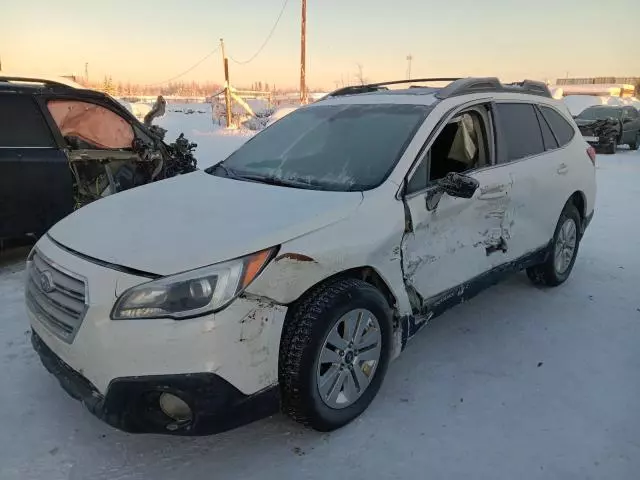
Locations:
{"points": [[227, 85], [409, 59], [86, 72], [303, 56]]}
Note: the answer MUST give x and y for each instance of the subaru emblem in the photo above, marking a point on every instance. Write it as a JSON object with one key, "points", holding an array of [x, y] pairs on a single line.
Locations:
{"points": [[46, 282]]}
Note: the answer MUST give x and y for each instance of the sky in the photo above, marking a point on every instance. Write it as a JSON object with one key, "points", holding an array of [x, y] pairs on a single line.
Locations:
{"points": [[148, 41]]}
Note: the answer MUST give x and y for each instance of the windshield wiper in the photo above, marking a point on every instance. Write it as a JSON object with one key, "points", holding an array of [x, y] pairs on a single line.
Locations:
{"points": [[281, 182]]}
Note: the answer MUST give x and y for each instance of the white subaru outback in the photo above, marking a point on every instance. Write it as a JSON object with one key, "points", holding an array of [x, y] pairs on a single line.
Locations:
{"points": [[291, 273]]}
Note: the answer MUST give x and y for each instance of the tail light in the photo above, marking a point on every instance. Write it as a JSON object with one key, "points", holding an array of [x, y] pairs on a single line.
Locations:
{"points": [[592, 155]]}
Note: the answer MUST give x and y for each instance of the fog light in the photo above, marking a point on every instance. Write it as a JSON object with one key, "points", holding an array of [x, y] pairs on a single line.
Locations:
{"points": [[175, 407]]}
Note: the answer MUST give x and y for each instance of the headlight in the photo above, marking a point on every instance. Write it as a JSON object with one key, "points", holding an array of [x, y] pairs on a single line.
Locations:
{"points": [[192, 293]]}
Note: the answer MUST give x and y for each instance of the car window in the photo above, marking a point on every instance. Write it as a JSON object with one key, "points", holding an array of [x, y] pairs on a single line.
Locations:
{"points": [[563, 130], [520, 131], [22, 123], [461, 146], [547, 135], [600, 113], [632, 113], [420, 178], [86, 125], [332, 147]]}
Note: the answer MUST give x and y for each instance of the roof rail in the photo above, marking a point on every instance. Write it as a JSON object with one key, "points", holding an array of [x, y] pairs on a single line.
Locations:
{"points": [[375, 87], [470, 85], [457, 86], [43, 81]]}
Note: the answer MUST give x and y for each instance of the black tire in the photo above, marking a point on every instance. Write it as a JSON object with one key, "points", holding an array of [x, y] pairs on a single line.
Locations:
{"points": [[546, 273], [303, 337], [636, 143]]}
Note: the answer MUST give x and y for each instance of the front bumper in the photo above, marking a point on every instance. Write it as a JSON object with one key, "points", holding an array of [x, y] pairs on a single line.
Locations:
{"points": [[219, 362], [601, 140], [131, 404]]}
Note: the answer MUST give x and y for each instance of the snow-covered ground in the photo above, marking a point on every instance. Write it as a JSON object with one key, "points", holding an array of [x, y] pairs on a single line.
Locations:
{"points": [[519, 383], [215, 142]]}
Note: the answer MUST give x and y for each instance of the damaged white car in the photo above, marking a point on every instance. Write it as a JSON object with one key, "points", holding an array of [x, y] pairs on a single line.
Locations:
{"points": [[290, 274]]}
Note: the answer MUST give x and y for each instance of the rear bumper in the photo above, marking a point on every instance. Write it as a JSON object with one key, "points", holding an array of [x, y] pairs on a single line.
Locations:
{"points": [[131, 404]]}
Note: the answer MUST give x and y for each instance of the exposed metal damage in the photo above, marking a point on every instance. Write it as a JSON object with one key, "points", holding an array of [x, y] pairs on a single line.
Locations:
{"points": [[107, 155]]}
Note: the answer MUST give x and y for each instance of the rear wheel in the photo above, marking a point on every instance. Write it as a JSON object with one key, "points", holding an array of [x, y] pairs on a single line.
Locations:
{"points": [[334, 353], [566, 239], [634, 145]]}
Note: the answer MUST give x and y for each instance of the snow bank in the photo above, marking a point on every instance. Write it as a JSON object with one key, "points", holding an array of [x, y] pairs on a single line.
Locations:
{"points": [[139, 109], [557, 92], [614, 101], [215, 142], [578, 103]]}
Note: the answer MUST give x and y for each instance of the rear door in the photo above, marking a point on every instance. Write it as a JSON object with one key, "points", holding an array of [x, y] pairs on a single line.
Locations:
{"points": [[535, 174], [36, 187]]}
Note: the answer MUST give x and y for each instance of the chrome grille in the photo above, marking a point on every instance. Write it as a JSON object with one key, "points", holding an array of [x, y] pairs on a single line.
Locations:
{"points": [[55, 296]]}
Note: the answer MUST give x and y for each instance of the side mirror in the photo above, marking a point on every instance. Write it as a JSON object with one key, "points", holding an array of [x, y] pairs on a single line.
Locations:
{"points": [[458, 185]]}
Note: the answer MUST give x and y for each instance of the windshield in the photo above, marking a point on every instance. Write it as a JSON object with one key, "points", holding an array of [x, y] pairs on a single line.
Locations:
{"points": [[329, 147], [600, 113]]}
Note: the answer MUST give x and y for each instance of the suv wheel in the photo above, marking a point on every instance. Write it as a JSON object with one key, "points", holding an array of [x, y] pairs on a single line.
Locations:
{"points": [[334, 353], [612, 147], [566, 239], [636, 143]]}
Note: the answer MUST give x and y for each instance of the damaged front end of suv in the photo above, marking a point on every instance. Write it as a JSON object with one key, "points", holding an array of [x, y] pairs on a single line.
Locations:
{"points": [[109, 154]]}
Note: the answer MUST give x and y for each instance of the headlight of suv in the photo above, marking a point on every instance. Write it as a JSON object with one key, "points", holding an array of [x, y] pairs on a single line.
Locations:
{"points": [[191, 293]]}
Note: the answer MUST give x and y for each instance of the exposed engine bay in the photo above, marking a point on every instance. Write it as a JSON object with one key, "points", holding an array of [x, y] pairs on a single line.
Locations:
{"points": [[109, 154], [603, 128]]}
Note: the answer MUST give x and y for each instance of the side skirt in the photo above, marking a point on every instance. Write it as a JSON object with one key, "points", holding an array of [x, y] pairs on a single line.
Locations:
{"points": [[435, 306]]}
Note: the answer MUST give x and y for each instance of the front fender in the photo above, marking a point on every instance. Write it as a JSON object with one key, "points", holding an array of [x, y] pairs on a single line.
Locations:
{"points": [[362, 242]]}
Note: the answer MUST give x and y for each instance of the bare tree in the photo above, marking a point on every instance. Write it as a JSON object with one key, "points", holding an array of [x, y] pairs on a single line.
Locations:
{"points": [[360, 76]]}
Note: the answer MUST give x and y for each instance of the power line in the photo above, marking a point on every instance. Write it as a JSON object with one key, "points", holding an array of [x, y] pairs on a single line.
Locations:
{"points": [[192, 67], [264, 44]]}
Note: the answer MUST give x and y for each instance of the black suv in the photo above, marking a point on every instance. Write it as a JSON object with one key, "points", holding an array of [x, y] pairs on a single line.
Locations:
{"points": [[605, 127], [63, 147]]}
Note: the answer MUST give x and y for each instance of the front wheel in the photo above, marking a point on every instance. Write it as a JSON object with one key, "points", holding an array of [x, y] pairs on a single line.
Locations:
{"points": [[334, 353], [566, 239]]}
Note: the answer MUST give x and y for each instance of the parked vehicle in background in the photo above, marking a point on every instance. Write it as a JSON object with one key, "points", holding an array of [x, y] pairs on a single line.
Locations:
{"points": [[62, 147], [291, 273], [606, 127]]}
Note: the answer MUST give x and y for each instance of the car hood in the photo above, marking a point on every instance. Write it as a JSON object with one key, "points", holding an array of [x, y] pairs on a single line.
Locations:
{"points": [[196, 220]]}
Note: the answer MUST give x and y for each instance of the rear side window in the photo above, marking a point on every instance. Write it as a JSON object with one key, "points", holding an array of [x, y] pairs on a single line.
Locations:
{"points": [[520, 131], [547, 135], [22, 123], [563, 130]]}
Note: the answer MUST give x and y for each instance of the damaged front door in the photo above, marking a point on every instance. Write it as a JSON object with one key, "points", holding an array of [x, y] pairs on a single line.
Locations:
{"points": [[450, 240], [105, 154], [459, 238]]}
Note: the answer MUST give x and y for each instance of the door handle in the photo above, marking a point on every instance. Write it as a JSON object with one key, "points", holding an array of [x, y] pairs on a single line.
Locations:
{"points": [[562, 169]]}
